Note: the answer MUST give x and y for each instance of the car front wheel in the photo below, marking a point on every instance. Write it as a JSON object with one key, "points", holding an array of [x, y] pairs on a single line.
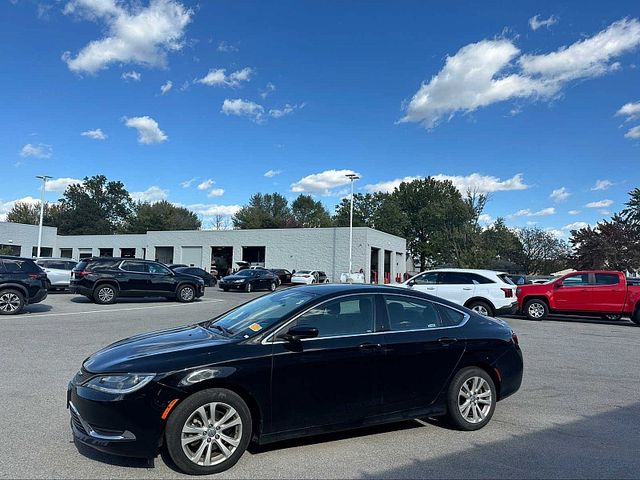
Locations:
{"points": [[273, 286], [11, 302], [248, 288], [536, 309], [208, 432], [471, 399], [186, 294]]}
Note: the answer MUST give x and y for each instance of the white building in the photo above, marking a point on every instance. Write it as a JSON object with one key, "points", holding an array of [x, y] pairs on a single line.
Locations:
{"points": [[379, 255]]}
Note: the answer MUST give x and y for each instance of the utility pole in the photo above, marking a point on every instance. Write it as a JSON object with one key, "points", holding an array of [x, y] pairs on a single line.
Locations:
{"points": [[44, 179], [352, 177]]}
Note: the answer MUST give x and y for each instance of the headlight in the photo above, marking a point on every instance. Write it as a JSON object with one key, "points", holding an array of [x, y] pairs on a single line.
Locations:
{"points": [[119, 384], [238, 281]]}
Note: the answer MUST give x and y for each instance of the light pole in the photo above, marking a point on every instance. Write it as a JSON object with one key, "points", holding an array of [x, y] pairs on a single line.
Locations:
{"points": [[352, 177], [44, 179]]}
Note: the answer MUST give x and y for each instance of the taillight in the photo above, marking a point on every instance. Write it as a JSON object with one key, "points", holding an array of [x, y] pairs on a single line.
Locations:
{"points": [[508, 293], [514, 338], [82, 273], [36, 276]]}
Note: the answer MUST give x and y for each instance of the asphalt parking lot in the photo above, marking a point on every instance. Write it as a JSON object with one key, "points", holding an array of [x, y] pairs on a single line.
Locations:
{"points": [[576, 415]]}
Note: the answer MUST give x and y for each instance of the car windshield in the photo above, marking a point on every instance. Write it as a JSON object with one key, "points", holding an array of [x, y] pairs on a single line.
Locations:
{"points": [[246, 273], [253, 317]]}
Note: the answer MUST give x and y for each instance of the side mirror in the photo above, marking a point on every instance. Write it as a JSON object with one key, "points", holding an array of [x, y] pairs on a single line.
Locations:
{"points": [[300, 332], [411, 283], [558, 284]]}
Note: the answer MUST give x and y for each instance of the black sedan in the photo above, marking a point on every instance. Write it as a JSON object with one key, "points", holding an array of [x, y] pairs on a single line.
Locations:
{"points": [[283, 275], [249, 280], [209, 280], [298, 362]]}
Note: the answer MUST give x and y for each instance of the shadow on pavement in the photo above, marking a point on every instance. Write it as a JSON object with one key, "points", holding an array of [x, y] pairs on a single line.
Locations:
{"points": [[623, 322]]}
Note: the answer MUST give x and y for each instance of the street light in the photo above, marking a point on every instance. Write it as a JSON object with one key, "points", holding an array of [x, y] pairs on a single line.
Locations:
{"points": [[44, 179], [352, 177]]}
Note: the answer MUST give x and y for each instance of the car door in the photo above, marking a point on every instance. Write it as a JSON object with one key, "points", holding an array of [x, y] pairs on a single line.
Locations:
{"points": [[423, 346], [573, 293], [608, 293], [133, 278], [161, 279], [426, 282], [457, 287], [332, 379]]}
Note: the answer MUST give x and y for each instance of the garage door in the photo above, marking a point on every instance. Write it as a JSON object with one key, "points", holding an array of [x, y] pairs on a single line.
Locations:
{"points": [[192, 256]]}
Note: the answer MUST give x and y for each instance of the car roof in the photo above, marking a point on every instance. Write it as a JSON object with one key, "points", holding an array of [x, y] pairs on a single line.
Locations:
{"points": [[466, 270], [13, 257], [55, 258], [95, 259]]}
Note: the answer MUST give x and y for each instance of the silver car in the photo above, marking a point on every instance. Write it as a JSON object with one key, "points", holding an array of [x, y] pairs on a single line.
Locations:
{"points": [[58, 271]]}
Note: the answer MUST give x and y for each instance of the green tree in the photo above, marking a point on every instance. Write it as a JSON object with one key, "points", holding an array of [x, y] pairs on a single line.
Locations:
{"points": [[308, 212], [542, 252], [500, 248], [632, 211], [365, 210], [29, 213], [270, 210], [96, 206], [160, 216]]}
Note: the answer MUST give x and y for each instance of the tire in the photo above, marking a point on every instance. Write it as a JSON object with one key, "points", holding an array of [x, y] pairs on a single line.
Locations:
{"points": [[105, 294], [536, 309], [635, 318], [326, 280], [11, 302], [273, 287], [48, 286], [225, 289], [471, 399], [611, 317], [248, 288], [483, 308], [186, 294], [190, 415]]}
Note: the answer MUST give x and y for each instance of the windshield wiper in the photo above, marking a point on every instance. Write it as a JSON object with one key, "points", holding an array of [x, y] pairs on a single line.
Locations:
{"points": [[224, 330]]}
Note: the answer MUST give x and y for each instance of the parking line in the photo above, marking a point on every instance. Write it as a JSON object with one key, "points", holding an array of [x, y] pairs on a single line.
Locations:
{"points": [[124, 309]]}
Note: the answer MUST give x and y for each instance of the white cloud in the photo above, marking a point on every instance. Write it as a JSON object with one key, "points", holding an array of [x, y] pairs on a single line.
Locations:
{"points": [[602, 185], [535, 22], [166, 87], [134, 34], [574, 212], [600, 204], [39, 150], [218, 77], [575, 226], [474, 182], [633, 133], [96, 134], [188, 183], [132, 75], [492, 71], [206, 184], [485, 219], [60, 184], [152, 194], [286, 110], [148, 129], [216, 192], [389, 185], [560, 194], [212, 210], [226, 47], [526, 212], [323, 182], [272, 173], [243, 108], [629, 110], [5, 207], [269, 89]]}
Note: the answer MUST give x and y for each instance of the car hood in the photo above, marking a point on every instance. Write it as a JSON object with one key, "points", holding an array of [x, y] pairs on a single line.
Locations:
{"points": [[231, 278], [158, 352]]}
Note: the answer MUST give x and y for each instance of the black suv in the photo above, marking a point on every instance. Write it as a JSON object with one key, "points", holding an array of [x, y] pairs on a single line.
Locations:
{"points": [[22, 282], [104, 279]]}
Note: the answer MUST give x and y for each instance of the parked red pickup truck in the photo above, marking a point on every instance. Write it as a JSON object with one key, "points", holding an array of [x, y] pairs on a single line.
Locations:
{"points": [[603, 293]]}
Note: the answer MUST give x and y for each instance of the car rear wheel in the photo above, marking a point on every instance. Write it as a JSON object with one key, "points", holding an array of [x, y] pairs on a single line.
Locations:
{"points": [[105, 295], [11, 302], [186, 294], [208, 432], [635, 318], [248, 287], [482, 308], [536, 309], [471, 399]]}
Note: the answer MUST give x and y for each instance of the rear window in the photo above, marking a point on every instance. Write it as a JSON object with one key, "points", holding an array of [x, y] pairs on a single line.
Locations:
{"points": [[506, 278], [607, 279], [82, 264], [20, 266]]}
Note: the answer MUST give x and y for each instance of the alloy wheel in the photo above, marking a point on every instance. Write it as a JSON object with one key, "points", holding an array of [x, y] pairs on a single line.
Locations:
{"points": [[106, 294], [474, 399], [9, 302], [272, 287], [536, 310], [211, 434], [186, 294], [481, 309]]}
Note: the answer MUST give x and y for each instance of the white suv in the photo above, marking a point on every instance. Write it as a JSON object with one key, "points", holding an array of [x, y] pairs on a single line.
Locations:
{"points": [[483, 291]]}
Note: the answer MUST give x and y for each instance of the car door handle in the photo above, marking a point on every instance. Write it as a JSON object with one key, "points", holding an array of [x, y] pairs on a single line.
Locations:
{"points": [[444, 341], [467, 288], [370, 346], [431, 288]]}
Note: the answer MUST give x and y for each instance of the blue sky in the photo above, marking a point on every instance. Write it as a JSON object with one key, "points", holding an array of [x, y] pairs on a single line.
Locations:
{"points": [[531, 98]]}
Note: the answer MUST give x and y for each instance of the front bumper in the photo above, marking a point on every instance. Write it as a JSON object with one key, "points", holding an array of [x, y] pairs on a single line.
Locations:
{"points": [[511, 309], [231, 286], [125, 425]]}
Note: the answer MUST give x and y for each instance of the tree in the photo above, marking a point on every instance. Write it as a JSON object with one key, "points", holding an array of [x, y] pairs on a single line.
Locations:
{"points": [[500, 248], [632, 212], [365, 210], [270, 210], [96, 206], [308, 212], [29, 213], [542, 252], [160, 216]]}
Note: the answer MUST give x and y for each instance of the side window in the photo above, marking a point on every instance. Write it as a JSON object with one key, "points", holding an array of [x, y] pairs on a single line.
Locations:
{"points": [[411, 314], [579, 280], [480, 280], [450, 317], [455, 278], [426, 279], [20, 266], [350, 315], [137, 267], [607, 279], [157, 268]]}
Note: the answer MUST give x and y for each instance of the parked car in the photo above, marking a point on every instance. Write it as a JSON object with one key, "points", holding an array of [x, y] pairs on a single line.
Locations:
{"points": [[249, 279], [284, 275], [22, 282], [298, 362], [309, 277], [58, 271], [209, 280], [603, 293], [104, 279], [483, 291]]}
